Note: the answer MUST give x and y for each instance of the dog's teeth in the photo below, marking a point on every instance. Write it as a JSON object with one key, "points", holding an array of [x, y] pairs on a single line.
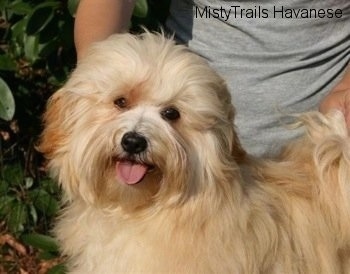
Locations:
{"points": [[130, 172]]}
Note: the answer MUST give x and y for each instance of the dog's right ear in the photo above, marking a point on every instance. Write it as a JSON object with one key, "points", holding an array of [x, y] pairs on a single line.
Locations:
{"points": [[54, 134], [54, 142]]}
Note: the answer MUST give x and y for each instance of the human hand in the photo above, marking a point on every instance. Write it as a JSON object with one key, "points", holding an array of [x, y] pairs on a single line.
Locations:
{"points": [[337, 99]]}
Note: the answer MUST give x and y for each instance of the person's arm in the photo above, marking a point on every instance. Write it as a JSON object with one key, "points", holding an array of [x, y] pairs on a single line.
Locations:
{"points": [[339, 98], [97, 19]]}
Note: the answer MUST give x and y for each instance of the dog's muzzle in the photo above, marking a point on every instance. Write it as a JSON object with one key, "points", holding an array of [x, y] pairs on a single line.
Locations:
{"points": [[129, 170]]}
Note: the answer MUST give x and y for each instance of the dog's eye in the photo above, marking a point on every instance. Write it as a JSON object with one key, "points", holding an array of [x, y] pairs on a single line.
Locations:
{"points": [[121, 102], [170, 114]]}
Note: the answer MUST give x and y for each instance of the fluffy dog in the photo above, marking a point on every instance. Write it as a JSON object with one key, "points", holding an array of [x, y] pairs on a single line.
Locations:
{"points": [[141, 138]]}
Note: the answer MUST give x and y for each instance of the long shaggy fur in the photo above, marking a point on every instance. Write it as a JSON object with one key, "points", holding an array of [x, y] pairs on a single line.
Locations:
{"points": [[205, 207]]}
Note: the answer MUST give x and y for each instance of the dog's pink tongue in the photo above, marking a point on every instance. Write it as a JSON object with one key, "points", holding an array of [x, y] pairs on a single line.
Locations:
{"points": [[129, 172]]}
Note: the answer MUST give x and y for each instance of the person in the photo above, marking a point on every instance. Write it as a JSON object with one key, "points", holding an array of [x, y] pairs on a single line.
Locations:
{"points": [[278, 57]]}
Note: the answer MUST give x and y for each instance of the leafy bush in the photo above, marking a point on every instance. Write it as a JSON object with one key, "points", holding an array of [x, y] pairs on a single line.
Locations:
{"points": [[36, 55]]}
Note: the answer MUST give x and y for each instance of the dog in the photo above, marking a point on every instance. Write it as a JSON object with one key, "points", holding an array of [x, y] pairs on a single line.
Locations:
{"points": [[142, 140]]}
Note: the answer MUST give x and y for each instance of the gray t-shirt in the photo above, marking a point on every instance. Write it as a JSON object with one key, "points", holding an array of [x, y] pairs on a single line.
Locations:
{"points": [[278, 57]]}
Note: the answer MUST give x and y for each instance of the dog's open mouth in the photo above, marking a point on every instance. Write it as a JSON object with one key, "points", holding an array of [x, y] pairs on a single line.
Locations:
{"points": [[131, 172]]}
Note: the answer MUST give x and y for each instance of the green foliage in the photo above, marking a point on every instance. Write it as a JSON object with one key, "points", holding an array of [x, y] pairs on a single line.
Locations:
{"points": [[48, 247], [25, 203], [36, 56], [7, 103], [36, 52], [141, 8], [28, 205], [42, 242]]}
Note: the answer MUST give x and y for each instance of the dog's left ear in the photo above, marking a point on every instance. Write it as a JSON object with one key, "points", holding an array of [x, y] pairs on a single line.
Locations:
{"points": [[239, 154], [236, 148]]}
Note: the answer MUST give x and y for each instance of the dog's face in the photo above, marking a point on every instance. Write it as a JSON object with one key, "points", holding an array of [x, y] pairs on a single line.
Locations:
{"points": [[140, 120]]}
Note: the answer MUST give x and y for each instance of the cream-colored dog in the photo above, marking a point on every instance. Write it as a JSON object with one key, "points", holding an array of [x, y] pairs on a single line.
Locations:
{"points": [[141, 139]]}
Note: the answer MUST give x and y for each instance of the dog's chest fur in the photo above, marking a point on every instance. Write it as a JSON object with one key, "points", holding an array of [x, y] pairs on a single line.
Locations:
{"points": [[167, 242], [151, 244]]}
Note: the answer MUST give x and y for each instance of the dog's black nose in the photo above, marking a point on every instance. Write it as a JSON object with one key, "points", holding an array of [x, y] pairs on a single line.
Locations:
{"points": [[133, 142]]}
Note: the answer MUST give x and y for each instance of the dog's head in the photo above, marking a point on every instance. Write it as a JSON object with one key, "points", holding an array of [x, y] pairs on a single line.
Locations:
{"points": [[140, 119]]}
